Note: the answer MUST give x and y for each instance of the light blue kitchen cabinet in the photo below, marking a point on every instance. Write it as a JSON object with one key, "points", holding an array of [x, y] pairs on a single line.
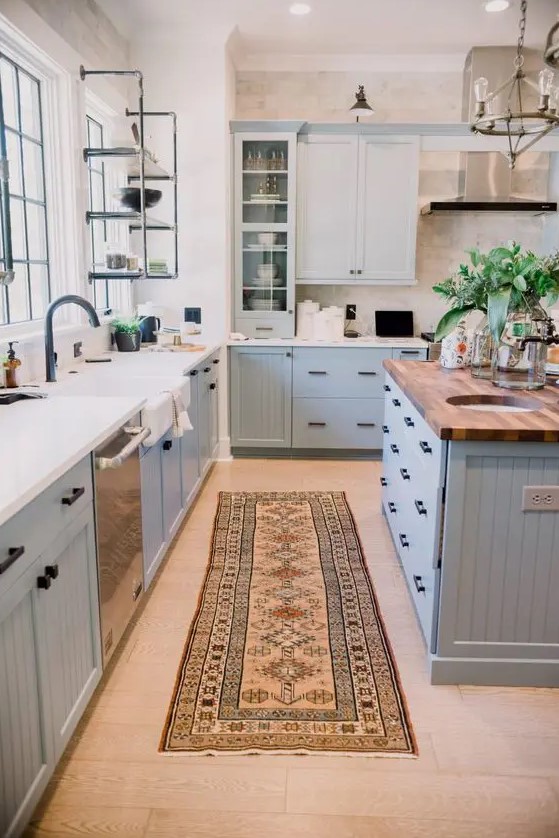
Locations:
{"points": [[153, 525], [171, 481], [189, 447], [260, 396]]}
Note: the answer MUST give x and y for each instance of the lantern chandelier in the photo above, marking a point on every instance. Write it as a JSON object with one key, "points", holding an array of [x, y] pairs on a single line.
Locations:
{"points": [[523, 128]]}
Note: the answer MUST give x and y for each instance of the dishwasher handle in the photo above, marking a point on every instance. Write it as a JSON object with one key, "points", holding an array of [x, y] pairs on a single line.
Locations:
{"points": [[138, 436]]}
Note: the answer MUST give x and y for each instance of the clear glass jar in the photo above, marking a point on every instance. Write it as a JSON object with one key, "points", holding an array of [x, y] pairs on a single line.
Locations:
{"points": [[482, 351], [519, 364]]}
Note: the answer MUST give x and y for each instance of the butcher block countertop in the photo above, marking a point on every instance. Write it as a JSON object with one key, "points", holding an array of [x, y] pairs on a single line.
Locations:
{"points": [[428, 387]]}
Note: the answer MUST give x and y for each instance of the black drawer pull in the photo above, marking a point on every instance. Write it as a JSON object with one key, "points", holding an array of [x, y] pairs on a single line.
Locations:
{"points": [[207, 369], [264, 328], [394, 448], [366, 372], [317, 424], [14, 553], [76, 494], [425, 447], [410, 352], [392, 506], [213, 385], [385, 429], [419, 584], [366, 425], [405, 474], [43, 582], [396, 403], [420, 506], [317, 372], [51, 570], [383, 481], [403, 539], [387, 389], [215, 361], [194, 372], [168, 444], [408, 422]]}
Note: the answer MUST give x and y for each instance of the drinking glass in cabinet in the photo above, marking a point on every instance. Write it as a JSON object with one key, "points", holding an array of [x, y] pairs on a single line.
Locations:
{"points": [[265, 182]]}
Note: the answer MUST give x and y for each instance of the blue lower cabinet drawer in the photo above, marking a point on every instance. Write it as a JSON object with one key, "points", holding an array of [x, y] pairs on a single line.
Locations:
{"points": [[338, 423], [339, 373]]}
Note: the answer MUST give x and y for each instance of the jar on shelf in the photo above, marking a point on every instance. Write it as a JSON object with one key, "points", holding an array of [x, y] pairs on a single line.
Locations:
{"points": [[482, 351], [520, 357]]}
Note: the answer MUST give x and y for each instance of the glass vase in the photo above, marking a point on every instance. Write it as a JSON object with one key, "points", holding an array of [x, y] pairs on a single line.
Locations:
{"points": [[482, 351], [519, 364]]}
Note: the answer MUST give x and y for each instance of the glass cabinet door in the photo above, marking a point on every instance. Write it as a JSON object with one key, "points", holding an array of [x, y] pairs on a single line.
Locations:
{"points": [[264, 271], [265, 181]]}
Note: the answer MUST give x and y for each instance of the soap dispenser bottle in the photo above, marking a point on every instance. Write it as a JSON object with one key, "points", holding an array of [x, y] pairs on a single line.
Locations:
{"points": [[11, 366]]}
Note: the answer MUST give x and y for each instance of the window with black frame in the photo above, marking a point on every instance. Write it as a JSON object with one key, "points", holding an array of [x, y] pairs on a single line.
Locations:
{"points": [[23, 202]]}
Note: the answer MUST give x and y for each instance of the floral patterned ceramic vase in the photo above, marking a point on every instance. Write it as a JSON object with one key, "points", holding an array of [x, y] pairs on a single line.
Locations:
{"points": [[456, 350]]}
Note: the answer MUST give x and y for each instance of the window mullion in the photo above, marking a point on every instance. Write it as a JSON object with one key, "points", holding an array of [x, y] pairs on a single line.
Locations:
{"points": [[24, 194]]}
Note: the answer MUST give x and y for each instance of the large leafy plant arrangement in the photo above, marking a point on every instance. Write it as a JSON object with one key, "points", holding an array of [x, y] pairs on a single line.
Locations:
{"points": [[502, 280]]}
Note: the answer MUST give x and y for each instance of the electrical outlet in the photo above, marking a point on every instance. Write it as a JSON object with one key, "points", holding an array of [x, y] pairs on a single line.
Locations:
{"points": [[350, 311], [78, 349], [193, 315], [540, 499]]}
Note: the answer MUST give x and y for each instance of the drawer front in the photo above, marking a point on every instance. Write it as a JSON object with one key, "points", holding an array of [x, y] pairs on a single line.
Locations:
{"points": [[25, 536], [419, 354], [339, 373], [262, 327], [423, 584], [333, 423]]}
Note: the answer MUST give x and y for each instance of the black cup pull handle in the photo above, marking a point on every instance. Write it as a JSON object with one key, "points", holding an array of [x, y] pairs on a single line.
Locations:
{"points": [[396, 403], [383, 481], [425, 447], [408, 421], [405, 474], [403, 539], [215, 361], [419, 584], [168, 444], [43, 582], [193, 372], [420, 506], [385, 429], [14, 553], [394, 448], [51, 570], [207, 369], [213, 385], [387, 389], [392, 507], [76, 494]]}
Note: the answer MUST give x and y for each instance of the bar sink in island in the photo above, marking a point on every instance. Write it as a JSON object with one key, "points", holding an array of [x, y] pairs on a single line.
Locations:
{"points": [[471, 496]]}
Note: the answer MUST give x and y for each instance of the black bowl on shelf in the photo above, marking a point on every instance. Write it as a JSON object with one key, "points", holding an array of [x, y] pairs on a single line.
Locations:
{"points": [[129, 197]]}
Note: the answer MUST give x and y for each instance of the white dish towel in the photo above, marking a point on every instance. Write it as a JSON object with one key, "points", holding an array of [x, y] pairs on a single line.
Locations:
{"points": [[181, 419]]}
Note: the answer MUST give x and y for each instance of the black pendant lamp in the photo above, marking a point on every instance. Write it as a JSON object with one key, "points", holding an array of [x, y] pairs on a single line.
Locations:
{"points": [[361, 106]]}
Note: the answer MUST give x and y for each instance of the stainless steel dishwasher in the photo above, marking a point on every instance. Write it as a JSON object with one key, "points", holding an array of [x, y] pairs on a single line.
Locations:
{"points": [[119, 530]]}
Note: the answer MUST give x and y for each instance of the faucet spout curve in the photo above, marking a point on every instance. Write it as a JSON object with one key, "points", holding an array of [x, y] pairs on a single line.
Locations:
{"points": [[50, 366]]}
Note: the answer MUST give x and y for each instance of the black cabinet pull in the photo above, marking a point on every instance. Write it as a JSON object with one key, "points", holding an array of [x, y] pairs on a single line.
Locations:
{"points": [[403, 539], [410, 352], [385, 429], [168, 444], [419, 584], [14, 553], [317, 372], [213, 385], [366, 425], [43, 582], [193, 372], [352, 271], [408, 422], [215, 361], [288, 354], [387, 389], [207, 369], [392, 506], [359, 271], [394, 448], [425, 447], [383, 481], [366, 372], [405, 474], [76, 494], [317, 424], [51, 570], [396, 403], [420, 506]]}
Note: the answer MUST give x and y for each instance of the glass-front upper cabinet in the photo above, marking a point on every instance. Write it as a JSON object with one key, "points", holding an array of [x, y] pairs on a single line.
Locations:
{"points": [[265, 234]]}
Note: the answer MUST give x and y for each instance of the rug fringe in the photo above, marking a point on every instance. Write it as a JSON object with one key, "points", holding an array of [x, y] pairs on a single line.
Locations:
{"points": [[296, 752]]}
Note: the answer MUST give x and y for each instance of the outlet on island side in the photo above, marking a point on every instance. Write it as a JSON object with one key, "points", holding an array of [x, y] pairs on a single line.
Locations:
{"points": [[350, 311], [540, 499]]}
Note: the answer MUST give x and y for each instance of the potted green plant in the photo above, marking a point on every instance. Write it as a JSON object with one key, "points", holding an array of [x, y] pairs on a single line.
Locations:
{"points": [[127, 334]]}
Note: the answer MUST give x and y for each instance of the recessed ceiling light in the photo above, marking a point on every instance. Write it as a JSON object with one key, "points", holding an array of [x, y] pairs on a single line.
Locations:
{"points": [[497, 5], [299, 9]]}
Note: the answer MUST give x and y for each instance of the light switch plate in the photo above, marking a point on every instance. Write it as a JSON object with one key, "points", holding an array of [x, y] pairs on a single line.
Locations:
{"points": [[540, 499]]}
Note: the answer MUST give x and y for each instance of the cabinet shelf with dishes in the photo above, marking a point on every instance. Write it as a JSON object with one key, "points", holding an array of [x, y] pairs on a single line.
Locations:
{"points": [[264, 233], [134, 199]]}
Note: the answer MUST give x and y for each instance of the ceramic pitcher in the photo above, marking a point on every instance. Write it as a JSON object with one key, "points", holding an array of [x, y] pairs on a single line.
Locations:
{"points": [[456, 350]]}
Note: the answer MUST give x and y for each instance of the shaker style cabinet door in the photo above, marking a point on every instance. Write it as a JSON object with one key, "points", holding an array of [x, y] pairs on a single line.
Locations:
{"points": [[260, 397], [171, 467], [189, 448], [204, 417], [327, 207], [387, 208], [152, 511]]}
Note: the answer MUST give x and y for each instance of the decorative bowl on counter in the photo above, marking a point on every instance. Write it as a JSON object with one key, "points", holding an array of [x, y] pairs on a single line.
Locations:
{"points": [[267, 271], [267, 239], [129, 197]]}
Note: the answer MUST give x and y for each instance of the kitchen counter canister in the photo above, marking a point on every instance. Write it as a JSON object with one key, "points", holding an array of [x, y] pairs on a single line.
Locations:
{"points": [[429, 387]]}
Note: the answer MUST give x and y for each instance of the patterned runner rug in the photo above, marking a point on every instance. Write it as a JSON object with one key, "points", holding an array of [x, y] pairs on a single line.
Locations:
{"points": [[287, 652]]}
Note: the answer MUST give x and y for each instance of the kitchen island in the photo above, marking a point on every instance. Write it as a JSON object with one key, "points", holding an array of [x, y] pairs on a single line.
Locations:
{"points": [[471, 497]]}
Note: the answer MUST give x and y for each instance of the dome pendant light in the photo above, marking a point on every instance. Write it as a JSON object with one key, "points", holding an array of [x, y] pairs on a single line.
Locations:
{"points": [[361, 106], [523, 128]]}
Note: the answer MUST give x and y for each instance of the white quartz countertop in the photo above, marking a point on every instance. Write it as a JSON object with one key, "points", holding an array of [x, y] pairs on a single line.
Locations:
{"points": [[40, 439], [347, 343]]}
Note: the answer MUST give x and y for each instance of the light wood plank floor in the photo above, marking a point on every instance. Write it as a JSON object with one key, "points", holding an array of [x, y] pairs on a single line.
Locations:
{"points": [[489, 758]]}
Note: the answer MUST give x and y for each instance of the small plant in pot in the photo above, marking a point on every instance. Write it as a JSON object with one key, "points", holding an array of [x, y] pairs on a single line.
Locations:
{"points": [[127, 334]]}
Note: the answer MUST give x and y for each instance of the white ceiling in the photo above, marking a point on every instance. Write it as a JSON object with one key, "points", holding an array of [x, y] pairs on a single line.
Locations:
{"points": [[340, 26]]}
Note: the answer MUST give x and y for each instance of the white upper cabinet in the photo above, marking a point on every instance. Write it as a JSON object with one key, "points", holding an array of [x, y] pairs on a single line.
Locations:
{"points": [[357, 208]]}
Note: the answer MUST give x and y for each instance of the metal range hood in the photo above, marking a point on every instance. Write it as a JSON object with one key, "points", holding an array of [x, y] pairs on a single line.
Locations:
{"points": [[485, 179]]}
